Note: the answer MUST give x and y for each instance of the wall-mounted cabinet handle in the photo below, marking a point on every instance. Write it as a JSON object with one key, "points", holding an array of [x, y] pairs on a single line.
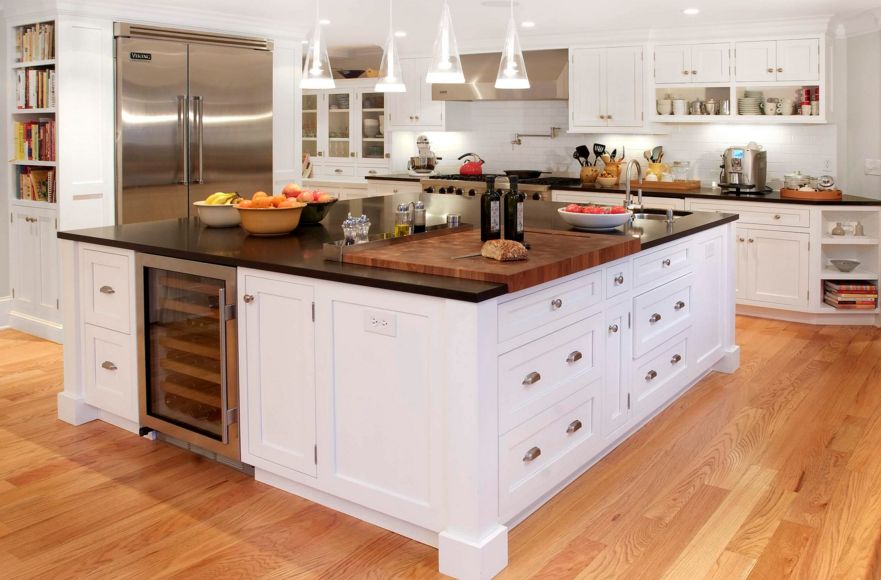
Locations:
{"points": [[107, 365], [619, 279], [248, 298], [532, 455], [531, 379], [106, 290], [575, 356], [613, 329], [574, 426], [651, 376], [666, 262], [655, 318], [676, 358], [679, 305], [556, 304]]}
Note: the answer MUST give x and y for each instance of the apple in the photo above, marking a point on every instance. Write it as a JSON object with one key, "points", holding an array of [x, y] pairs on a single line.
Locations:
{"points": [[291, 190], [325, 197], [306, 196]]}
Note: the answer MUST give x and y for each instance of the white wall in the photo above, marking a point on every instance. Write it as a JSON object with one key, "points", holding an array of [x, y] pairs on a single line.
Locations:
{"points": [[491, 127], [4, 196], [863, 113]]}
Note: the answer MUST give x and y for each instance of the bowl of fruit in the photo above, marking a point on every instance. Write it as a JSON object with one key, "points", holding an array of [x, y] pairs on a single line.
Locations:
{"points": [[607, 179], [266, 215], [594, 217], [318, 203], [218, 210]]}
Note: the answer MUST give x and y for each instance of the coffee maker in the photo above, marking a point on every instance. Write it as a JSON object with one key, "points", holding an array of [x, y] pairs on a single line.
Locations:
{"points": [[744, 169]]}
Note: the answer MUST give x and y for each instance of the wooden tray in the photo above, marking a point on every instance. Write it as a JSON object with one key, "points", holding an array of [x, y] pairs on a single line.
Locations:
{"points": [[690, 185], [825, 195], [553, 254]]}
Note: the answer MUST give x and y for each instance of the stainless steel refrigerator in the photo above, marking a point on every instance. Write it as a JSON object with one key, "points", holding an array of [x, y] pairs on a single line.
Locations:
{"points": [[193, 116]]}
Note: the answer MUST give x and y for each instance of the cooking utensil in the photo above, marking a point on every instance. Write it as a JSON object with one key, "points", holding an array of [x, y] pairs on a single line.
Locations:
{"points": [[472, 167], [578, 158], [621, 159], [524, 173], [657, 154], [584, 153], [614, 154], [648, 156], [598, 149]]}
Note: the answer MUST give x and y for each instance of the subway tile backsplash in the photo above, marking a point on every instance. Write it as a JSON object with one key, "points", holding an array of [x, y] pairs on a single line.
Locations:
{"points": [[487, 128]]}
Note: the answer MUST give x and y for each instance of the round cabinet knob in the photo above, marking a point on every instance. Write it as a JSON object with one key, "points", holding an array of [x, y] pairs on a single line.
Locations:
{"points": [[531, 379], [609, 117], [679, 305], [337, 170], [556, 304], [741, 239], [574, 426], [779, 70], [666, 263], [352, 154], [655, 318], [107, 365], [751, 241], [460, 191], [685, 72], [472, 193], [603, 117], [694, 72], [417, 117], [248, 298], [107, 290], [777, 216], [651, 375], [532, 455], [613, 329], [371, 172], [770, 70], [411, 117], [575, 356], [431, 190], [619, 279], [676, 359]]}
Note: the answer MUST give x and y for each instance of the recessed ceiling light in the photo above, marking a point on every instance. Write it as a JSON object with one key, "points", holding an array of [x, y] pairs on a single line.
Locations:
{"points": [[400, 33], [691, 11], [527, 24], [324, 21]]}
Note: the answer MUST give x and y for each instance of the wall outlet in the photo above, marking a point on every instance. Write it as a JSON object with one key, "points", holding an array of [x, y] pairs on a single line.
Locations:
{"points": [[873, 166], [383, 323]]}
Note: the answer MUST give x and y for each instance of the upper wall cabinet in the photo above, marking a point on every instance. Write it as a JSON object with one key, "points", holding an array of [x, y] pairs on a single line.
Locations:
{"points": [[778, 60], [692, 63], [605, 88], [415, 109]]}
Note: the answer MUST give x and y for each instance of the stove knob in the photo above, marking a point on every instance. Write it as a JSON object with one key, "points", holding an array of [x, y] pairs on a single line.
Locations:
{"points": [[472, 193], [442, 190], [460, 191], [536, 196], [429, 190]]}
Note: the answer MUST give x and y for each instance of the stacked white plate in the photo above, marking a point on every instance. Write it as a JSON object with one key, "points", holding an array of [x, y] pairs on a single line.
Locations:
{"points": [[749, 106]]}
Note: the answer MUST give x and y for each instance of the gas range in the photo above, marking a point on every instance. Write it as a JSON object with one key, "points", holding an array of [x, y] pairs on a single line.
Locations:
{"points": [[538, 189]]}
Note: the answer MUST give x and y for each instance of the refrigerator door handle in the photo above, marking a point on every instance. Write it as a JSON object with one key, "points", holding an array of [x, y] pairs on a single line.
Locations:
{"points": [[199, 109], [225, 418], [182, 116]]}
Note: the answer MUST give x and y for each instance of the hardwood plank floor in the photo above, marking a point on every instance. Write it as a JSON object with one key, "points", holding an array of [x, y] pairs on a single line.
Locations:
{"points": [[773, 472]]}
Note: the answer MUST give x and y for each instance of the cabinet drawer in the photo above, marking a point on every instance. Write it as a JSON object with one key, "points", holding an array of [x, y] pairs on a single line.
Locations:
{"points": [[106, 289], [335, 171], [662, 264], [369, 171], [110, 371], [618, 279], [660, 314], [541, 453], [539, 374], [544, 309], [753, 213], [653, 380]]}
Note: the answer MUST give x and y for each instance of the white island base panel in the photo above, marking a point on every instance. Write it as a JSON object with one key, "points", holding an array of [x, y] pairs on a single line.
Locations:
{"points": [[448, 422]]}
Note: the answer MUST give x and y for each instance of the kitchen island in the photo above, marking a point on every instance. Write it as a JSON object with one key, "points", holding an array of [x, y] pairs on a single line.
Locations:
{"points": [[446, 410]]}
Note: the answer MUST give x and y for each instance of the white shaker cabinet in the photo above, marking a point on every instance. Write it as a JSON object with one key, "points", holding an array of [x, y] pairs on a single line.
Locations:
{"points": [[35, 262], [755, 61], [277, 358], [415, 109], [615, 412], [692, 63], [773, 266], [605, 88], [778, 60]]}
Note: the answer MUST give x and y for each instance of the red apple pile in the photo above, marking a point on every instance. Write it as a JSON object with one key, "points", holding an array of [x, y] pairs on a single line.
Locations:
{"points": [[292, 190]]}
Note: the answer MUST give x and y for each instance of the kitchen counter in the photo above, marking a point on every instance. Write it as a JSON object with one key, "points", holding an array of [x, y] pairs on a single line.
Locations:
{"points": [[394, 177], [301, 252]]}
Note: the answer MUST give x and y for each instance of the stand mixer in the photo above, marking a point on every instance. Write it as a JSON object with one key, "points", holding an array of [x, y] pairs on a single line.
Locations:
{"points": [[424, 164]]}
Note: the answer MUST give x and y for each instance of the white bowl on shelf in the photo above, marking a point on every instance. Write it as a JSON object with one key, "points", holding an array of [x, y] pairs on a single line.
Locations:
{"points": [[594, 221]]}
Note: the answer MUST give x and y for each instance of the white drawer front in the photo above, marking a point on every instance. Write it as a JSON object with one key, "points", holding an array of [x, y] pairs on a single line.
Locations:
{"points": [[652, 379], [660, 314], [110, 372], [543, 452], [541, 373], [335, 171], [619, 279], [106, 289], [549, 307], [367, 171], [753, 213], [662, 264]]}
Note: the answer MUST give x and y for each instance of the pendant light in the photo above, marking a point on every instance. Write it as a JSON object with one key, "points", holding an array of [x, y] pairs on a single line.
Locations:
{"points": [[512, 69], [317, 73], [390, 77], [446, 66]]}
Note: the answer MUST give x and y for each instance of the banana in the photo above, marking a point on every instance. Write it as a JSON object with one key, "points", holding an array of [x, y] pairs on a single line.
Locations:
{"points": [[220, 198]]}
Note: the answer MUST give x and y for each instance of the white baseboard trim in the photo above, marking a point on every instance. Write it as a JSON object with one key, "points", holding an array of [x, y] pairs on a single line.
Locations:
{"points": [[28, 324], [5, 307], [816, 318]]}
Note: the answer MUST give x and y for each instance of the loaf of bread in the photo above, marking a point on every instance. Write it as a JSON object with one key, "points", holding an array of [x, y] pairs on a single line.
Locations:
{"points": [[504, 250]]}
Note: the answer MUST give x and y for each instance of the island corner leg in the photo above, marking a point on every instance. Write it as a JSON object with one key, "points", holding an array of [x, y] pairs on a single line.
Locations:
{"points": [[462, 558]]}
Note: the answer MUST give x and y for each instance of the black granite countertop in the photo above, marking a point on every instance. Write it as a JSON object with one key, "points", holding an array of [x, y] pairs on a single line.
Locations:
{"points": [[394, 177], [300, 253]]}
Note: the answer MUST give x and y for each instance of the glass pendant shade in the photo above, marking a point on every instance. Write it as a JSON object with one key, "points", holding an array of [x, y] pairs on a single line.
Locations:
{"points": [[317, 73], [512, 68], [391, 80], [446, 66]]}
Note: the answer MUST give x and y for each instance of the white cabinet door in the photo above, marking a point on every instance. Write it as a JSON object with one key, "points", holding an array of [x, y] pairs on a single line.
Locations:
{"points": [[710, 63], [743, 272], [623, 80], [672, 64], [415, 108], [755, 61], [278, 359], [798, 60], [586, 87], [339, 126], [616, 388], [430, 114], [47, 242], [24, 256], [778, 267]]}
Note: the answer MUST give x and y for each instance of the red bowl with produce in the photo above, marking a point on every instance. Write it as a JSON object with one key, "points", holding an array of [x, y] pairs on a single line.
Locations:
{"points": [[594, 217]]}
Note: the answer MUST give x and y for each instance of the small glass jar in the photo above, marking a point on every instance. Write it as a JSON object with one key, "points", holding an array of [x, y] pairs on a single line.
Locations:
{"points": [[350, 231], [362, 230], [681, 170]]}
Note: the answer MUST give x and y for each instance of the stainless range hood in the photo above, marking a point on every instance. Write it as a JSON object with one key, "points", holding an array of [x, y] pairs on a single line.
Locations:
{"points": [[548, 78]]}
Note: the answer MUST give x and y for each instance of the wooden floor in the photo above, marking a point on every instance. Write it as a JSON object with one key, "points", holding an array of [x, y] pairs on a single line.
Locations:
{"points": [[773, 472]]}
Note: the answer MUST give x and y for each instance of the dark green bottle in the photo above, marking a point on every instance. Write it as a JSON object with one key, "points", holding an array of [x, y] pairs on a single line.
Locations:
{"points": [[514, 206], [490, 212]]}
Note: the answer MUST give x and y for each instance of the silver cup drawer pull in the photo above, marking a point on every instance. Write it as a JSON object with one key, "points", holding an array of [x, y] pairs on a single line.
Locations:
{"points": [[613, 329], [532, 455], [679, 305], [676, 359], [531, 379], [108, 366], [106, 290], [248, 298], [573, 427], [619, 279], [655, 318], [556, 304], [666, 262], [651, 375], [574, 356]]}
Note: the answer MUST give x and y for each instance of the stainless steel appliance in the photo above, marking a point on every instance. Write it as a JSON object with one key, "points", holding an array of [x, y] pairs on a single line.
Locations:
{"points": [[193, 116], [425, 162], [187, 345], [538, 189], [744, 169]]}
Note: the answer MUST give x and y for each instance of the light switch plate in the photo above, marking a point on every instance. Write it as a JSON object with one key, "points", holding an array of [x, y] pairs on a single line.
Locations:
{"points": [[873, 166], [384, 323]]}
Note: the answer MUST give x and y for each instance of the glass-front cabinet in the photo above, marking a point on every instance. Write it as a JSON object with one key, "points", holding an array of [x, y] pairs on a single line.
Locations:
{"points": [[372, 125], [310, 124], [339, 114]]}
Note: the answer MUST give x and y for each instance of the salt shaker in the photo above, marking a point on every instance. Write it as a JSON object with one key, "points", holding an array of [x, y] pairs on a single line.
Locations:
{"points": [[363, 230], [350, 230]]}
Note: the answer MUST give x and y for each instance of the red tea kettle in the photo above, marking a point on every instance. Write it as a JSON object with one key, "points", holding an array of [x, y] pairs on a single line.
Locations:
{"points": [[472, 167]]}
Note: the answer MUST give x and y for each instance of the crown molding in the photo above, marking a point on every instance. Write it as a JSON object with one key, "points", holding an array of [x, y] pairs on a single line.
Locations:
{"points": [[859, 24]]}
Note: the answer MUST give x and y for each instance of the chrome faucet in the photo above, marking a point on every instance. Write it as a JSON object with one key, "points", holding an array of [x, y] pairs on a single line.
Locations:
{"points": [[628, 196]]}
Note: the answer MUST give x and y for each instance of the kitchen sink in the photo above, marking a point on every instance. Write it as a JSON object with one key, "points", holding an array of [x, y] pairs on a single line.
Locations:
{"points": [[658, 214]]}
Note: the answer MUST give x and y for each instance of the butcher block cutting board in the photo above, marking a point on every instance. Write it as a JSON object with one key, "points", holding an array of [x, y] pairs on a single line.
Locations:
{"points": [[553, 254]]}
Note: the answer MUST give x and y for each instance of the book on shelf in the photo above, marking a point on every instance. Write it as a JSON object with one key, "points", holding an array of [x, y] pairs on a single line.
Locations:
{"points": [[851, 306], [855, 286], [35, 42], [35, 140], [35, 184], [856, 295], [35, 88]]}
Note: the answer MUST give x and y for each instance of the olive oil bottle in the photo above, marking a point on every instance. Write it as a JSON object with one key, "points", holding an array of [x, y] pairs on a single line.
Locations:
{"points": [[490, 212], [514, 206]]}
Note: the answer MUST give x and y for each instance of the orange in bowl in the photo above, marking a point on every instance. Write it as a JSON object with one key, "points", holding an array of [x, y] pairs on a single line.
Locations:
{"points": [[271, 221]]}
